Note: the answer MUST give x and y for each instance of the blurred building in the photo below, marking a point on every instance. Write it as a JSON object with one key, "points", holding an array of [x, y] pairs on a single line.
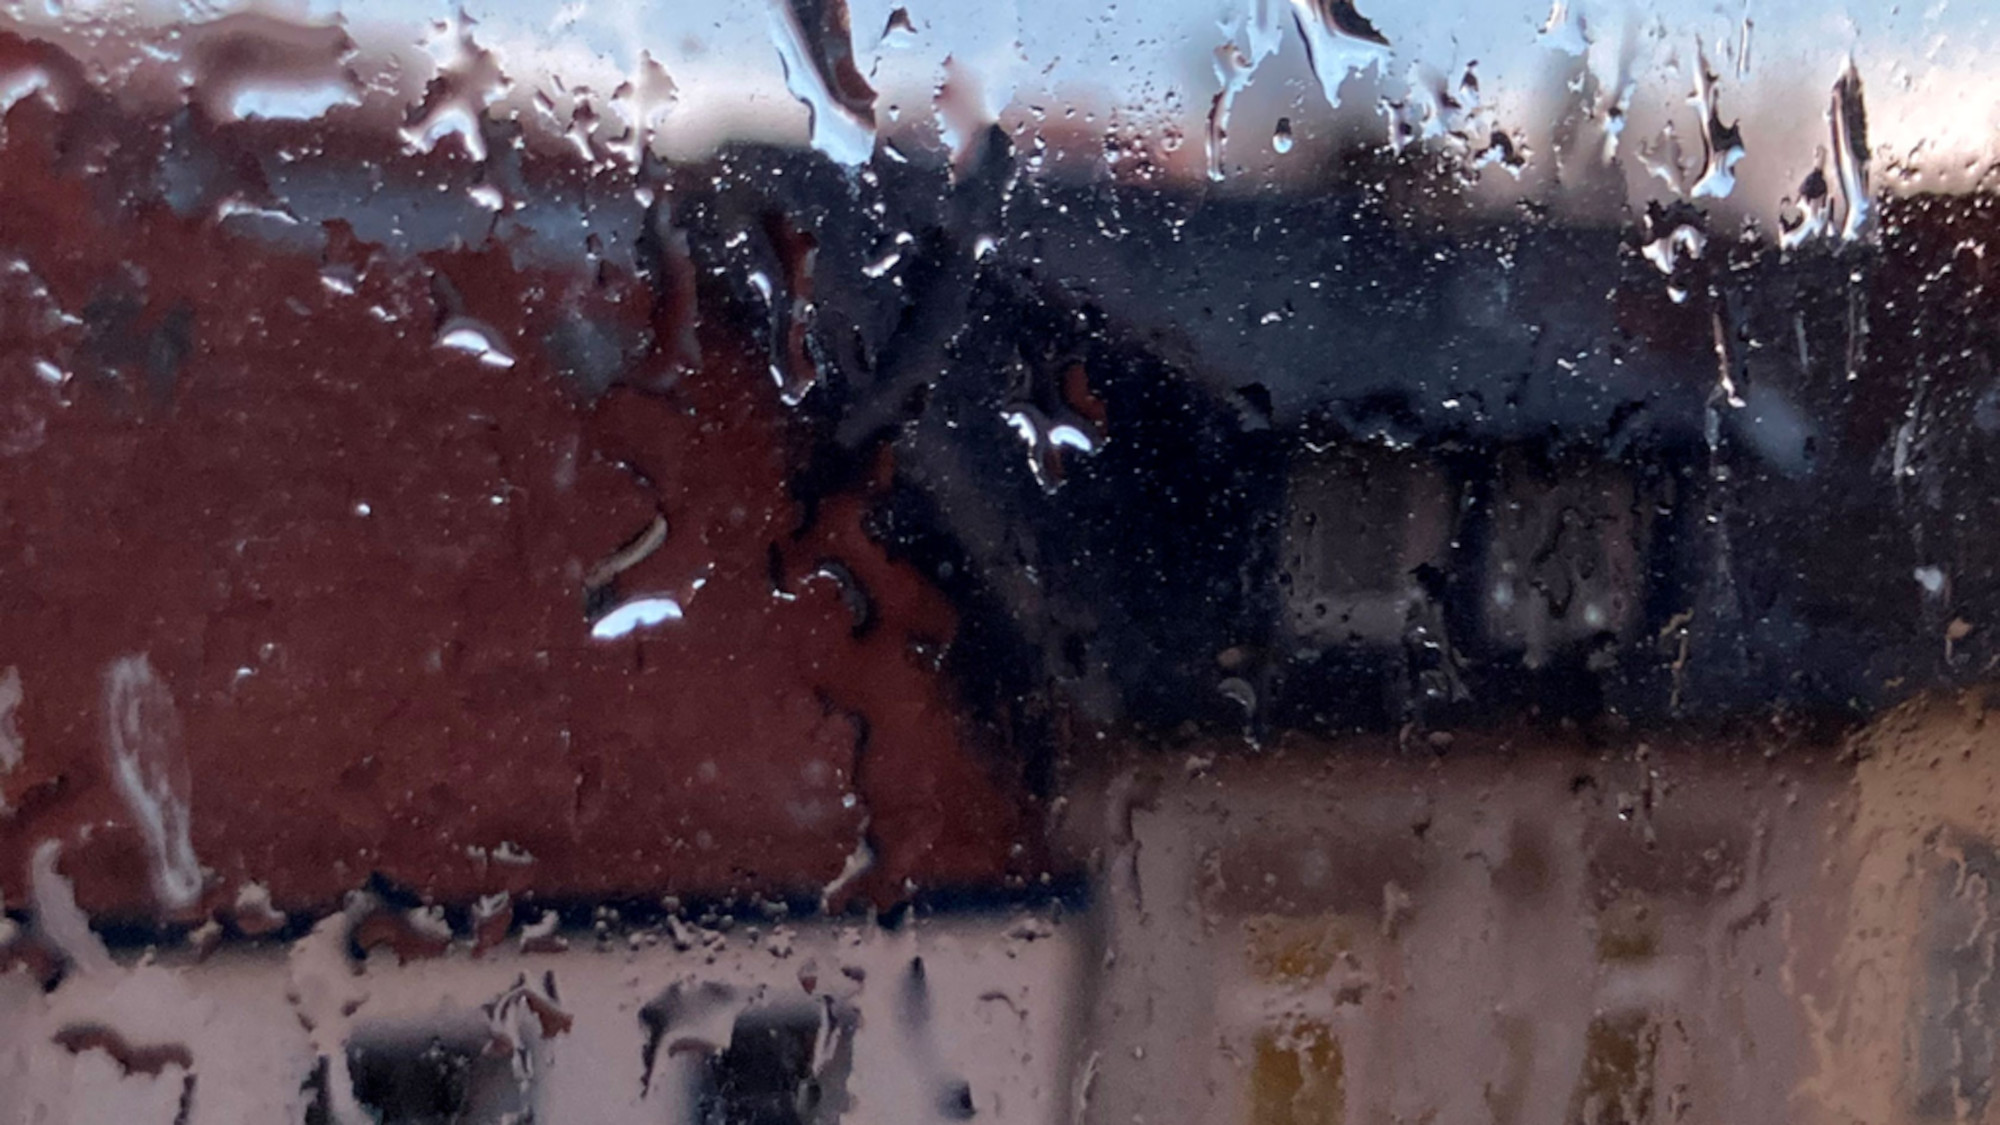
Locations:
{"points": [[494, 632], [1541, 926]]}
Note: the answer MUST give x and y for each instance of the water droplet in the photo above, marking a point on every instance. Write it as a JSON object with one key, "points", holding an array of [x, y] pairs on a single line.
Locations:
{"points": [[1052, 418], [898, 24], [890, 258], [1563, 30], [633, 552], [1848, 118], [340, 279], [1661, 157], [816, 46], [237, 207], [1340, 42], [1281, 138], [643, 101], [858, 863], [1666, 250], [454, 103], [250, 65], [1721, 145], [57, 916], [475, 339], [642, 612], [1614, 119], [1046, 442], [1238, 691], [1805, 218], [1249, 42], [253, 913], [1931, 578], [20, 83], [544, 934], [794, 370], [142, 733]]}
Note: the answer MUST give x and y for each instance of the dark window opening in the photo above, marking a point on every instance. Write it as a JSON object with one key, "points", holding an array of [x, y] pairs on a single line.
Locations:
{"points": [[408, 1078], [774, 1073]]}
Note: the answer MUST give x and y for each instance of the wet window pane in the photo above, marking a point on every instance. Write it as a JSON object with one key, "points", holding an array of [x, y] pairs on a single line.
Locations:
{"points": [[811, 561]]}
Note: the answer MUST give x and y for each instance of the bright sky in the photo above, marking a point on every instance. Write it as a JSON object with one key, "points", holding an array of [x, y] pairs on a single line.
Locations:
{"points": [[1933, 94]]}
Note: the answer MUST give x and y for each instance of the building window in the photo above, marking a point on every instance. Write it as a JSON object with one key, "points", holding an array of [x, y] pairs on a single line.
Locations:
{"points": [[426, 1078], [783, 1066]]}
